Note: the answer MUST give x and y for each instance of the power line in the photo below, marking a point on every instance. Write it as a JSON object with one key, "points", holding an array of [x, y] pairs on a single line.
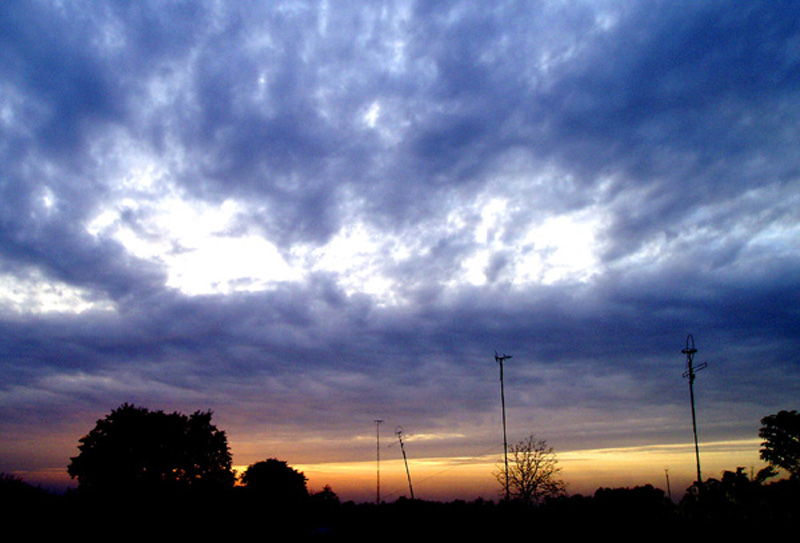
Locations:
{"points": [[455, 465]]}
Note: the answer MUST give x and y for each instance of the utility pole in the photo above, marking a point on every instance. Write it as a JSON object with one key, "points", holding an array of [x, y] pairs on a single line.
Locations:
{"points": [[669, 491], [399, 432], [378, 448], [690, 351], [500, 360]]}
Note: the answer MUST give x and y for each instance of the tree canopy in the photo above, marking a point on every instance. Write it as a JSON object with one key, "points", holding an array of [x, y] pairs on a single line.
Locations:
{"points": [[135, 449], [781, 445], [275, 480]]}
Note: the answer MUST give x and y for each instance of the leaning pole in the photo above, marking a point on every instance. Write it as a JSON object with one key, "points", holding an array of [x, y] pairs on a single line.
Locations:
{"points": [[690, 374], [500, 360]]}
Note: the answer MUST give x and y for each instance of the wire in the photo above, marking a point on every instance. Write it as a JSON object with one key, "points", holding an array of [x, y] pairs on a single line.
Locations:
{"points": [[449, 468]]}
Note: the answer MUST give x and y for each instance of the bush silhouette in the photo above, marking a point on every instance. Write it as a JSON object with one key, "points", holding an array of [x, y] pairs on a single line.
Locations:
{"points": [[274, 481]]}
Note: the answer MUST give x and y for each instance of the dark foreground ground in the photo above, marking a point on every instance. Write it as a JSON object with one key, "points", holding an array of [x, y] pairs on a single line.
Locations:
{"points": [[638, 513]]}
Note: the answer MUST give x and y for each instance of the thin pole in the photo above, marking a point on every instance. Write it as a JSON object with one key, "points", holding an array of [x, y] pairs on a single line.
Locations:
{"points": [[669, 490], [500, 360], [378, 449], [694, 425], [399, 432]]}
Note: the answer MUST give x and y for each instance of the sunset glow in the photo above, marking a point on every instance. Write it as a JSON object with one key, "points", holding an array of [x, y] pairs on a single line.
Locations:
{"points": [[305, 215]]}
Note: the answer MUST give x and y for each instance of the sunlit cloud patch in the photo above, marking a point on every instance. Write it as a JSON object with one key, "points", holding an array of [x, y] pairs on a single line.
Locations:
{"points": [[306, 216]]}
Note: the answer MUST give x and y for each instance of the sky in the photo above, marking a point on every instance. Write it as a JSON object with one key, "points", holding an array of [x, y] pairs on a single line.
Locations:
{"points": [[307, 216]]}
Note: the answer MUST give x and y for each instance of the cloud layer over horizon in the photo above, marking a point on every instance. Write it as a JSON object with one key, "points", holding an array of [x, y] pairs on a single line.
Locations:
{"points": [[309, 215]]}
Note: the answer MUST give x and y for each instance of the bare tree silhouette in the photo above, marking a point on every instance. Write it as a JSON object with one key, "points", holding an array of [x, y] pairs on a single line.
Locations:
{"points": [[532, 472]]}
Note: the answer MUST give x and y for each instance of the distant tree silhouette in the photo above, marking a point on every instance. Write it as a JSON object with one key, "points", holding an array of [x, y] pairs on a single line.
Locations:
{"points": [[16, 492], [781, 445], [135, 450], [275, 481], [324, 505], [325, 497], [532, 472], [636, 508], [733, 498]]}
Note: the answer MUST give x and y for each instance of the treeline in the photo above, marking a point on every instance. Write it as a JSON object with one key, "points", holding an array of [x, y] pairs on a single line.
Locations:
{"points": [[152, 473], [731, 504]]}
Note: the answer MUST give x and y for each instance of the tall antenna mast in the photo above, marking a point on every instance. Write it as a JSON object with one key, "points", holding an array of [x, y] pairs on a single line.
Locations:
{"points": [[378, 449], [500, 359], [690, 351], [399, 432]]}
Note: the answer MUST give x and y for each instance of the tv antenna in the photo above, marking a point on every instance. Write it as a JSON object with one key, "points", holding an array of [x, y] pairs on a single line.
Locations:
{"points": [[690, 374], [500, 359], [399, 432]]}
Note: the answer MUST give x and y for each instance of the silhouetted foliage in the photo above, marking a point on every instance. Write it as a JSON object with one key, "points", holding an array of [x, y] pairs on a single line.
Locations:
{"points": [[275, 503], [764, 474], [22, 504], [532, 472], [736, 500], [627, 510], [732, 504], [275, 481], [15, 492], [781, 445], [134, 450], [632, 501], [13, 485], [325, 497]]}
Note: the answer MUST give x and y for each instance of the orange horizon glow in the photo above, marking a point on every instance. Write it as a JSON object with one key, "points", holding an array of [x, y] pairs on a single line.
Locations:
{"points": [[584, 471], [469, 478]]}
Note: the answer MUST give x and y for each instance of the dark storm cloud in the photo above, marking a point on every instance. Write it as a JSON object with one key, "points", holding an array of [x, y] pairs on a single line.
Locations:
{"points": [[673, 126]]}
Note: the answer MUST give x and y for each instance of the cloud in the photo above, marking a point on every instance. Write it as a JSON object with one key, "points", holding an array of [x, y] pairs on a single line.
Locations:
{"points": [[306, 215]]}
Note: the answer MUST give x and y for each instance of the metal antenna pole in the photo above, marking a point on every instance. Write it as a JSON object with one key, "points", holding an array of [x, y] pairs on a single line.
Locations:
{"points": [[669, 490], [399, 432], [378, 448], [500, 360], [690, 351]]}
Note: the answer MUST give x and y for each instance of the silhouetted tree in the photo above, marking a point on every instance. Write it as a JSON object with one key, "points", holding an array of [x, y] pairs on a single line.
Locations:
{"points": [[325, 507], [325, 497], [634, 508], [16, 492], [734, 498], [133, 450], [532, 472], [781, 445], [275, 481]]}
